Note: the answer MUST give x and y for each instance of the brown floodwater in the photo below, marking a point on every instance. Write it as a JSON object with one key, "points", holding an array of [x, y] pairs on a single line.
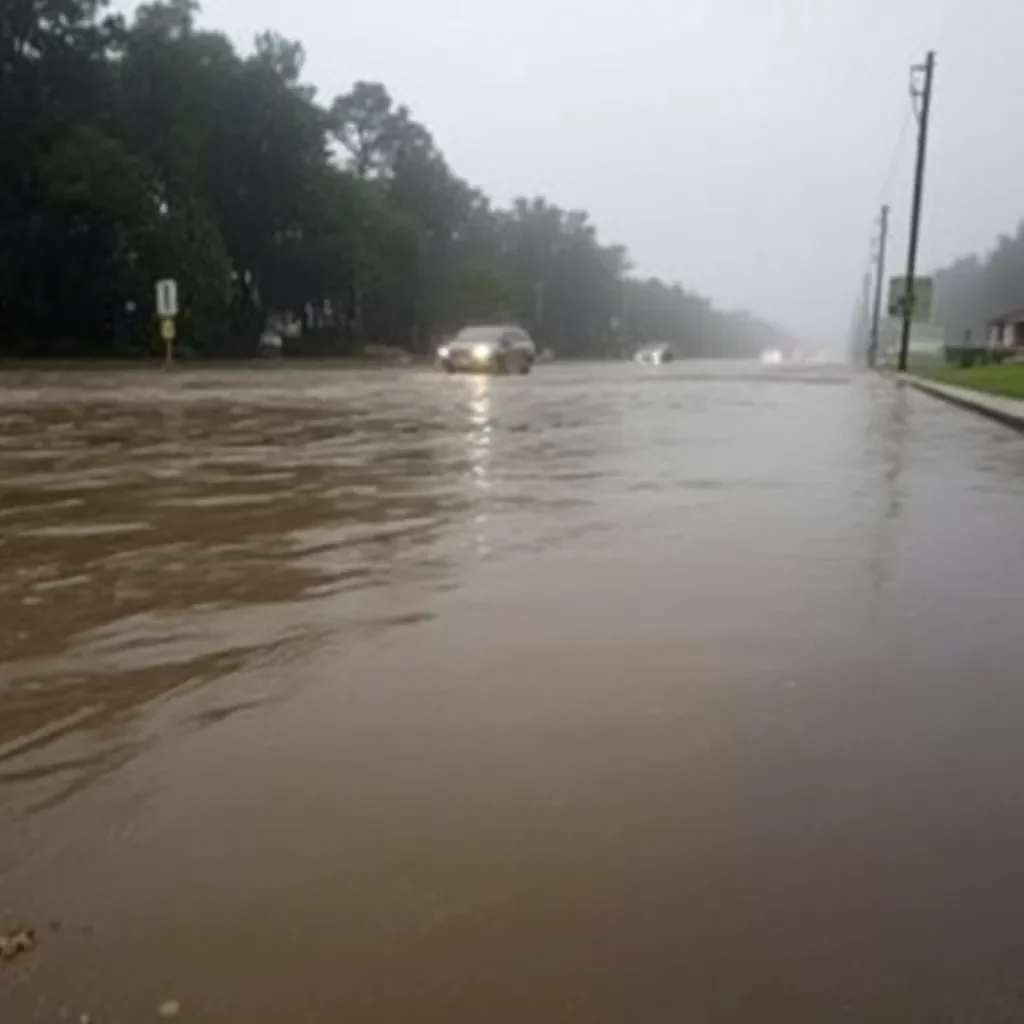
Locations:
{"points": [[608, 695]]}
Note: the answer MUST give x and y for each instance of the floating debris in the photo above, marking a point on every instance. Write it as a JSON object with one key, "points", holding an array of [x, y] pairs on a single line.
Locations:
{"points": [[170, 1008], [22, 940]]}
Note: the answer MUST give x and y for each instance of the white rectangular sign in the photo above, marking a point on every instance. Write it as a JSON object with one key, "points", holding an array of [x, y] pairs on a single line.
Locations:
{"points": [[167, 298], [924, 288]]}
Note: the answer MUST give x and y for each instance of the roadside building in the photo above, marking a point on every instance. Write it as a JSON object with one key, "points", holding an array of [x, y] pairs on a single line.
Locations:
{"points": [[1006, 331], [926, 341]]}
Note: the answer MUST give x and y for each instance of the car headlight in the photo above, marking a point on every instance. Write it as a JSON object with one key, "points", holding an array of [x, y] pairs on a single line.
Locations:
{"points": [[443, 352], [481, 353]]}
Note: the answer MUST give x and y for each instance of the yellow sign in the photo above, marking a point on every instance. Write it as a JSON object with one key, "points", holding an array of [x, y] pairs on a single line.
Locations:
{"points": [[167, 329]]}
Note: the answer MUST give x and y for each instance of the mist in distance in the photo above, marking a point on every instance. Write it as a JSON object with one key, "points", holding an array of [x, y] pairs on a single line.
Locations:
{"points": [[737, 146]]}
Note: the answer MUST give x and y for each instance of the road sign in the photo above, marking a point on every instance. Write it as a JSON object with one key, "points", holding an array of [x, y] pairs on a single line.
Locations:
{"points": [[167, 329], [167, 298], [924, 289]]}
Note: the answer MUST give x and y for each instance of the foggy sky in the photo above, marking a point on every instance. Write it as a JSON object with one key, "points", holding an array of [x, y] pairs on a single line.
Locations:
{"points": [[739, 146]]}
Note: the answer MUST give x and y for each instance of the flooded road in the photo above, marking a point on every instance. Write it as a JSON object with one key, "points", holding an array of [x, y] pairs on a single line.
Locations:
{"points": [[608, 695]]}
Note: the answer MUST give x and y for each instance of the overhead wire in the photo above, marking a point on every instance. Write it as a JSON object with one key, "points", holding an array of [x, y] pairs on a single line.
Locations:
{"points": [[894, 167], [897, 155], [860, 309]]}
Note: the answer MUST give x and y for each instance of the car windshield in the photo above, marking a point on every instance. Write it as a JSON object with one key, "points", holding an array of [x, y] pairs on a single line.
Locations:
{"points": [[480, 334]]}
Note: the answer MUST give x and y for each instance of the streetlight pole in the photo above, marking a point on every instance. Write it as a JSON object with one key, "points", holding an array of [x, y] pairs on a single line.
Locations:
{"points": [[925, 95]]}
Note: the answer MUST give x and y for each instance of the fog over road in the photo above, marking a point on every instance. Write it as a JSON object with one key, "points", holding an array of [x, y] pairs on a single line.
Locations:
{"points": [[607, 695]]}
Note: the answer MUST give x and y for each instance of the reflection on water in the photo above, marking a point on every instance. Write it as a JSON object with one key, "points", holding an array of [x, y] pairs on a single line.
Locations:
{"points": [[157, 531], [170, 538], [479, 440], [892, 430], [602, 695], [160, 532]]}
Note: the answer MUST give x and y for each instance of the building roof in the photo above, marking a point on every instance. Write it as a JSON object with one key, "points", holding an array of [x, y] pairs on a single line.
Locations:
{"points": [[1013, 316]]}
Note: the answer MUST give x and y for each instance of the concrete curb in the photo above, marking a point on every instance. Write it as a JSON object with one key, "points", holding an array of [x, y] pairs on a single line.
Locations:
{"points": [[1008, 411]]}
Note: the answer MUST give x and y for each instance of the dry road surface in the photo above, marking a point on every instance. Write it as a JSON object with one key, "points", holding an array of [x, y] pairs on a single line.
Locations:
{"points": [[607, 695]]}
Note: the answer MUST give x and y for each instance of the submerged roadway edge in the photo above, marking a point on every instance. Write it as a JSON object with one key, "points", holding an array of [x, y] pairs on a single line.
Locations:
{"points": [[1008, 411]]}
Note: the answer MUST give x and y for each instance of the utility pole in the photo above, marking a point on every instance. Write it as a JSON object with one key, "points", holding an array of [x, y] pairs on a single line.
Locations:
{"points": [[876, 314], [925, 95], [863, 311]]}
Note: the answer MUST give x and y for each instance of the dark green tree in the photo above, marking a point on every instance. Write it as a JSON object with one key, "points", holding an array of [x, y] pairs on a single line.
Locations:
{"points": [[153, 148]]}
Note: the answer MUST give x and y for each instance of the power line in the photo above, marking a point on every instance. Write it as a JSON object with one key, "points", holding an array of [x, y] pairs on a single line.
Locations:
{"points": [[897, 154], [913, 114]]}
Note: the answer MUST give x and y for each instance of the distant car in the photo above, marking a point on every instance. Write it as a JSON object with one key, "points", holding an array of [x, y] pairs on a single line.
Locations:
{"points": [[271, 344], [655, 355], [489, 349]]}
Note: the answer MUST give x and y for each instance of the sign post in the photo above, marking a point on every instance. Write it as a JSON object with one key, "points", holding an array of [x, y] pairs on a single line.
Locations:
{"points": [[167, 310], [167, 333]]}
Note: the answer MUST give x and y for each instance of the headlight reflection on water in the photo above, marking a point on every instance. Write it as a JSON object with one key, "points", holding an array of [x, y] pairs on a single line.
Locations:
{"points": [[480, 449]]}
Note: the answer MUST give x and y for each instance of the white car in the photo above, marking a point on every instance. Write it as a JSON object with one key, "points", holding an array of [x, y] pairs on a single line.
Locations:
{"points": [[493, 349], [655, 355], [271, 344]]}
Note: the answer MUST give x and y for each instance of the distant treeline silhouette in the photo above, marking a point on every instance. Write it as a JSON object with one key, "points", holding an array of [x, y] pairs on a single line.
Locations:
{"points": [[132, 150]]}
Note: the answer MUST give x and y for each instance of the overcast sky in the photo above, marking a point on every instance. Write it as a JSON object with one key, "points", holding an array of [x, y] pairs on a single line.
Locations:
{"points": [[739, 146]]}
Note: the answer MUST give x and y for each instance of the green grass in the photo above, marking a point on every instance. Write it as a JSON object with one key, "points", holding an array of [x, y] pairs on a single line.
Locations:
{"points": [[1007, 379]]}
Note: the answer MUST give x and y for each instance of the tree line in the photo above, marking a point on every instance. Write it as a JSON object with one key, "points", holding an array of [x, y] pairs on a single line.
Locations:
{"points": [[974, 289], [137, 149]]}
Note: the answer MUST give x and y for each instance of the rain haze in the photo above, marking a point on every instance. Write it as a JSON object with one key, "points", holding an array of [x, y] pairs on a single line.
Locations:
{"points": [[408, 615], [738, 146]]}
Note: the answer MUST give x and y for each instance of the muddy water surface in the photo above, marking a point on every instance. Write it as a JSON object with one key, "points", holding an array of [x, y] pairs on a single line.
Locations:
{"points": [[606, 695]]}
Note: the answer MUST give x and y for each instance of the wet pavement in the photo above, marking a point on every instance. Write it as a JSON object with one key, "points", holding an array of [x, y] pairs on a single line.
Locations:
{"points": [[607, 695]]}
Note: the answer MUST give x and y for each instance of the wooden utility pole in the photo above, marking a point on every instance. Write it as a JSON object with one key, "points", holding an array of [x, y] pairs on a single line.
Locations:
{"points": [[925, 95], [876, 314], [864, 310]]}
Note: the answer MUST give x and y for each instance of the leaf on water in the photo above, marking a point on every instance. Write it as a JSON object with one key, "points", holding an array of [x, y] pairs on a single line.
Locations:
{"points": [[13, 944]]}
